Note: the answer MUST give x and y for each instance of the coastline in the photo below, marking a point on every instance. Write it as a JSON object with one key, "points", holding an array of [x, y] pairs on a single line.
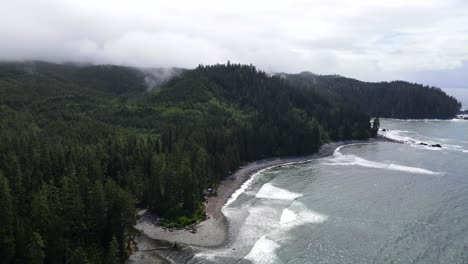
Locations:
{"points": [[213, 232]]}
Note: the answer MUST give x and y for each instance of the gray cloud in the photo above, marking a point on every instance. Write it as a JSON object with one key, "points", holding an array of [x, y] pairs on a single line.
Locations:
{"points": [[451, 78], [366, 39]]}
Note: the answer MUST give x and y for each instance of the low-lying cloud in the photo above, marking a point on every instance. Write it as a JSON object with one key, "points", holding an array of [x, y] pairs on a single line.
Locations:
{"points": [[371, 40]]}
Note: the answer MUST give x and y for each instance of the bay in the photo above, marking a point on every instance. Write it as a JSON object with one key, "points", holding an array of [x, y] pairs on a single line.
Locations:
{"points": [[368, 203]]}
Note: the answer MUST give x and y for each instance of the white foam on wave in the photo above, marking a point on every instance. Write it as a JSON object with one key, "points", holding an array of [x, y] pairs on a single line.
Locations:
{"points": [[294, 215], [287, 216], [263, 251], [352, 160], [402, 136], [254, 177], [398, 135], [455, 147], [260, 231], [290, 218], [268, 191], [411, 137], [337, 151], [243, 187]]}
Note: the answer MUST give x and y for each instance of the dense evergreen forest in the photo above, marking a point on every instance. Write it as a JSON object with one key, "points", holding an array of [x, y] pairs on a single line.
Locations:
{"points": [[82, 146], [397, 99]]}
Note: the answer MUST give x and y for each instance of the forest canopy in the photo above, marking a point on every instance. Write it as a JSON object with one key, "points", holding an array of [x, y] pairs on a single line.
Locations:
{"points": [[396, 99], [82, 146]]}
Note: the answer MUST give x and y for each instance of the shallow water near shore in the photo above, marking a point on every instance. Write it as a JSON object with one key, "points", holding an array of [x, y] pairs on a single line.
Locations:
{"points": [[368, 203]]}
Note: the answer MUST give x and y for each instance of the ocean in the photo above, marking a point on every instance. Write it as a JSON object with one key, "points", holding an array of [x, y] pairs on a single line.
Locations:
{"points": [[381, 202]]}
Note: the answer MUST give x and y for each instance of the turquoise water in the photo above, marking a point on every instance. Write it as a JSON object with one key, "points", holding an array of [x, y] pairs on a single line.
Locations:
{"points": [[368, 203]]}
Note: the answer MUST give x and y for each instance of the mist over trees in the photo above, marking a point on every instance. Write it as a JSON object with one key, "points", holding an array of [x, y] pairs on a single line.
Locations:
{"points": [[82, 147]]}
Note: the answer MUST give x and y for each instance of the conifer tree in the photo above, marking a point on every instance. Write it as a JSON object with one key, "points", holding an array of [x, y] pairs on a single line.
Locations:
{"points": [[36, 249], [40, 210], [7, 239], [112, 256], [375, 126], [97, 210]]}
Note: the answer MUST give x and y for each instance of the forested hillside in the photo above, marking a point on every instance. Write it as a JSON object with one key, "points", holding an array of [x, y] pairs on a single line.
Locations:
{"points": [[397, 99], [82, 146]]}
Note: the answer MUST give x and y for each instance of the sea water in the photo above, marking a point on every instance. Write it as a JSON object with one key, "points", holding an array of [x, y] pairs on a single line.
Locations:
{"points": [[368, 203]]}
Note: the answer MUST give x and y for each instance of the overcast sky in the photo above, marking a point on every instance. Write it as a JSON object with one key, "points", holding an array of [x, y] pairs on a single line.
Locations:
{"points": [[416, 40]]}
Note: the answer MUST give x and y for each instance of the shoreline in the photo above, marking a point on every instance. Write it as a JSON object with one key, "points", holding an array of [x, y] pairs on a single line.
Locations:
{"points": [[213, 232]]}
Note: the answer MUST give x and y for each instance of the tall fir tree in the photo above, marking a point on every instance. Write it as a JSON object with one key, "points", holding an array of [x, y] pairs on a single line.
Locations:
{"points": [[7, 239], [113, 256], [36, 247]]}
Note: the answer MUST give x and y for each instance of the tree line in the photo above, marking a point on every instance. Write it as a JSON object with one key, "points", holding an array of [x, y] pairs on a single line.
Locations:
{"points": [[77, 157], [396, 99]]}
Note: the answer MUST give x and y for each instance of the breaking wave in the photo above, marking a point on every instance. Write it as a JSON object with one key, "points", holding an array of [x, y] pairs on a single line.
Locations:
{"points": [[268, 191], [291, 218], [254, 177], [416, 140], [295, 215], [398, 135], [243, 187], [352, 160], [263, 251]]}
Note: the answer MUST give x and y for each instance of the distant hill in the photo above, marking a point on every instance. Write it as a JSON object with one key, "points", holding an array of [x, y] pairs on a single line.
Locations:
{"points": [[397, 99], [112, 79]]}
